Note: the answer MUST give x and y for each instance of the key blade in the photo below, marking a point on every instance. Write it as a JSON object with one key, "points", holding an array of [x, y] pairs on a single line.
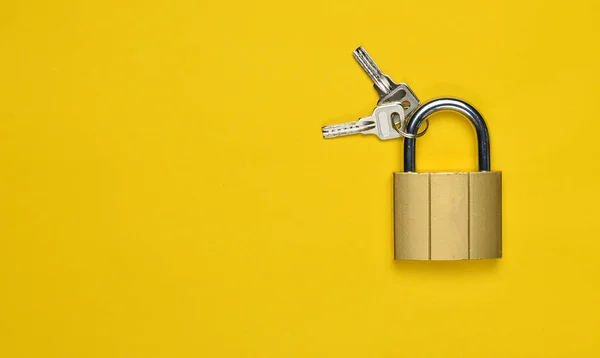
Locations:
{"points": [[382, 83], [345, 129], [388, 90]]}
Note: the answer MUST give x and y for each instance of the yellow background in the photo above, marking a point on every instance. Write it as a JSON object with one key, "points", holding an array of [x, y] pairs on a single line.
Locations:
{"points": [[165, 190]]}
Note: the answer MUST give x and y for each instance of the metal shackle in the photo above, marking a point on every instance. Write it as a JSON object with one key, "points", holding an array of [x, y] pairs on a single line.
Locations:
{"points": [[456, 105]]}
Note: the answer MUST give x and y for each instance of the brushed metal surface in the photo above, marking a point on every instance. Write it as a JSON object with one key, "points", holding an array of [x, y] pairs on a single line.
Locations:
{"points": [[448, 216], [411, 218], [485, 216]]}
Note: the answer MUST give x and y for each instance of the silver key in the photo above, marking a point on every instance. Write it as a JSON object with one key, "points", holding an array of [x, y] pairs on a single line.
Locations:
{"points": [[388, 90], [348, 128], [383, 123]]}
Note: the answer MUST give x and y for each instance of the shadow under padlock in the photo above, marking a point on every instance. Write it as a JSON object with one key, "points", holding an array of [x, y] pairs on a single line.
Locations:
{"points": [[451, 215]]}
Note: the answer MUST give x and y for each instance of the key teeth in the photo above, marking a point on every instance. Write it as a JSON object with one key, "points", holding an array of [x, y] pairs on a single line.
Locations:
{"points": [[344, 129], [332, 134], [329, 135]]}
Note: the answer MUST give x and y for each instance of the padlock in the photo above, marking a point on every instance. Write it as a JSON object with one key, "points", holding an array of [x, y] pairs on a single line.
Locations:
{"points": [[448, 216]]}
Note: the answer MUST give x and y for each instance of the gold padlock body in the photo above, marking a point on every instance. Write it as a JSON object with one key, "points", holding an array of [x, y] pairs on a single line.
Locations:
{"points": [[448, 216]]}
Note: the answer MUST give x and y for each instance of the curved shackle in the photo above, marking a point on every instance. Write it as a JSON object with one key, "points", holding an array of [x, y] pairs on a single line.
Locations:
{"points": [[456, 105]]}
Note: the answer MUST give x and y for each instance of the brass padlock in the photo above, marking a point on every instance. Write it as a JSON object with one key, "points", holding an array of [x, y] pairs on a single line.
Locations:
{"points": [[448, 216]]}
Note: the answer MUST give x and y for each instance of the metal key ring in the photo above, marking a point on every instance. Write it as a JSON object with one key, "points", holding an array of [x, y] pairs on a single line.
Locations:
{"points": [[401, 129]]}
